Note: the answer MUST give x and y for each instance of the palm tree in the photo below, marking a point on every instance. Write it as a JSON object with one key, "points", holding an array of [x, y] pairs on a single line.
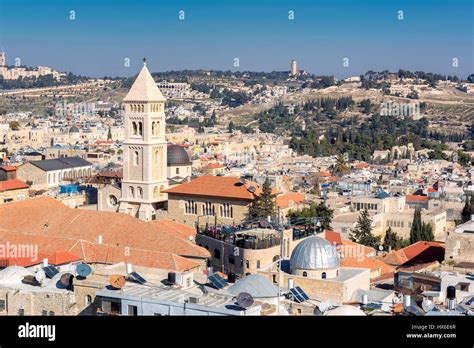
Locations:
{"points": [[341, 166]]}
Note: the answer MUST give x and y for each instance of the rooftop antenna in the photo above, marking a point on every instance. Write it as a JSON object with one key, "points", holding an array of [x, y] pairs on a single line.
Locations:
{"points": [[144, 60]]}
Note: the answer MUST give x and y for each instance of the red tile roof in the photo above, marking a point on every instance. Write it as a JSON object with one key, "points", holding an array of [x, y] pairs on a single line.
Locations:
{"points": [[62, 257], [214, 165], [217, 186], [12, 184], [415, 198], [8, 168], [46, 217], [333, 237], [288, 199], [419, 252]]}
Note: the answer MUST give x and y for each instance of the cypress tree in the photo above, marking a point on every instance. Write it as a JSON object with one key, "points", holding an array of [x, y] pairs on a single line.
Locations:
{"points": [[416, 227], [466, 211]]}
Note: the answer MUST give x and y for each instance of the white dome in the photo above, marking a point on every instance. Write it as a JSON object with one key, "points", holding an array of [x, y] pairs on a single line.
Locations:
{"points": [[314, 253], [346, 310]]}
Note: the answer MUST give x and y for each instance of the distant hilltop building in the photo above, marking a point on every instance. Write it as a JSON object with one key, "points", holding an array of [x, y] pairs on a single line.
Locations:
{"points": [[17, 72], [294, 68]]}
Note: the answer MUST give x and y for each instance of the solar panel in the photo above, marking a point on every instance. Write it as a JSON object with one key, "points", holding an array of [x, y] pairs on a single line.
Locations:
{"points": [[138, 278], [299, 295], [218, 281], [50, 271]]}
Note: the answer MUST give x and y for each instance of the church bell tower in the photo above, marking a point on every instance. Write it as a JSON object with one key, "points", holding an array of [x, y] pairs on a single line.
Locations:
{"points": [[144, 149]]}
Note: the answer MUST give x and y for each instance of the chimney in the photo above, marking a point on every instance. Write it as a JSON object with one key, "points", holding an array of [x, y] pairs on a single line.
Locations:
{"points": [[472, 217], [291, 283], [99, 239], [45, 262], [129, 268]]}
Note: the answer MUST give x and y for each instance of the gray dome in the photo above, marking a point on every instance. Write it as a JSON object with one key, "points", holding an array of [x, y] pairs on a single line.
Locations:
{"points": [[256, 285], [177, 155], [314, 253], [74, 129]]}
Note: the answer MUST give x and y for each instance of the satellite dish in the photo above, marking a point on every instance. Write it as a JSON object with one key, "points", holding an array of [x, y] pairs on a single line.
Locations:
{"points": [[244, 300], [66, 279], [40, 275], [427, 305], [252, 189], [385, 308], [83, 270], [117, 281], [325, 305], [380, 247]]}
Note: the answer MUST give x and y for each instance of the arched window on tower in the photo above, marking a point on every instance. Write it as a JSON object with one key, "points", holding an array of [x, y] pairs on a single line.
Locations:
{"points": [[156, 192], [139, 192], [153, 128], [134, 128], [135, 158], [305, 274], [323, 275], [131, 192], [140, 128]]}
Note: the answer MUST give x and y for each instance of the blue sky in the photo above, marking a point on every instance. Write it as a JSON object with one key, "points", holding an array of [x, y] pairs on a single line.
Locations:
{"points": [[258, 32]]}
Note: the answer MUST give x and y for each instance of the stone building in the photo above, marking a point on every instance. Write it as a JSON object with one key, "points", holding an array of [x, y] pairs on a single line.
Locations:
{"points": [[51, 173], [460, 246], [13, 190], [216, 199]]}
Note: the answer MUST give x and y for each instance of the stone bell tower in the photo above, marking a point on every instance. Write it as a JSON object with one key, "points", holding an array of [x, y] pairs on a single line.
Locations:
{"points": [[144, 149]]}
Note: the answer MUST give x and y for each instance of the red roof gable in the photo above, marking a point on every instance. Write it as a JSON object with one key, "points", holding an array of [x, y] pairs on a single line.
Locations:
{"points": [[12, 184], [8, 168], [414, 198]]}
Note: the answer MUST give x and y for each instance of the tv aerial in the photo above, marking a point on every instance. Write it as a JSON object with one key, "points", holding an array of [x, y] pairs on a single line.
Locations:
{"points": [[244, 300], [117, 281]]}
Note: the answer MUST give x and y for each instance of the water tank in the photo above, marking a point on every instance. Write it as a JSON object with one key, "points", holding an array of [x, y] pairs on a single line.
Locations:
{"points": [[406, 301], [291, 283], [451, 297], [365, 299], [172, 277], [231, 278], [451, 292]]}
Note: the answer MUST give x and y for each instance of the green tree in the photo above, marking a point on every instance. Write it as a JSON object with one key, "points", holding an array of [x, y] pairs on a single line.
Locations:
{"points": [[391, 240], [231, 127], [14, 125], [466, 211], [362, 233], [341, 166], [316, 210], [416, 231], [263, 205], [427, 232]]}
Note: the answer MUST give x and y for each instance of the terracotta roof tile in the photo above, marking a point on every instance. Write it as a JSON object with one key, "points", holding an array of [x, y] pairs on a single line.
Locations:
{"points": [[12, 184], [288, 199], [415, 198], [45, 216], [218, 186]]}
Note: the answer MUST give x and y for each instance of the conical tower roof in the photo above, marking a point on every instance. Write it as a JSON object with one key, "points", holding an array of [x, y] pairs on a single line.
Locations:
{"points": [[144, 88]]}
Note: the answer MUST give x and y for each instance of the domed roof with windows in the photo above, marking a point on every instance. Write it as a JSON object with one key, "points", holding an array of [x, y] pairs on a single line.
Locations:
{"points": [[177, 155], [314, 253]]}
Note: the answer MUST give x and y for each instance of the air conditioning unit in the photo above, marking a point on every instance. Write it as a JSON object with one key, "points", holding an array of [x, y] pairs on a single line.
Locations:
{"points": [[194, 300]]}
